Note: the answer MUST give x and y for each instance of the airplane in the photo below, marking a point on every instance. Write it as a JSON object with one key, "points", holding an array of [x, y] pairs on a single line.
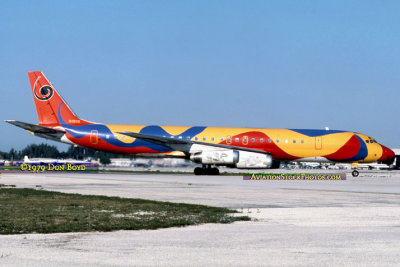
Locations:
{"points": [[60, 161], [243, 148]]}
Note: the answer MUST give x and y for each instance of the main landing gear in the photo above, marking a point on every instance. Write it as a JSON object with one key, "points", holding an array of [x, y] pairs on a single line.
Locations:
{"points": [[206, 170]]}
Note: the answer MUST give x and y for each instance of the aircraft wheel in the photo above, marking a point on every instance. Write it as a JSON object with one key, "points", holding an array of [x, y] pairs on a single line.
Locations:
{"points": [[214, 171], [198, 171], [355, 173]]}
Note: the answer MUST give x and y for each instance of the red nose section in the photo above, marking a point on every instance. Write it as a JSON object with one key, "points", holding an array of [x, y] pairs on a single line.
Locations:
{"points": [[387, 156]]}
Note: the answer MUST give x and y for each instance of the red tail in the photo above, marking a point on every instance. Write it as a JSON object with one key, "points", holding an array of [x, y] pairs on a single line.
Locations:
{"points": [[48, 102]]}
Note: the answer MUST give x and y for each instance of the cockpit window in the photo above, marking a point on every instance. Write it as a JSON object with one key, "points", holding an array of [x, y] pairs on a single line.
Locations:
{"points": [[371, 140]]}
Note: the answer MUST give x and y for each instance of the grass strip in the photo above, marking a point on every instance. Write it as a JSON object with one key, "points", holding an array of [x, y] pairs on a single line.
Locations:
{"points": [[38, 211]]}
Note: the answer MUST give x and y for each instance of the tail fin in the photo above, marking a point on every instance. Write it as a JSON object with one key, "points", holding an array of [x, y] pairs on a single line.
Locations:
{"points": [[49, 104]]}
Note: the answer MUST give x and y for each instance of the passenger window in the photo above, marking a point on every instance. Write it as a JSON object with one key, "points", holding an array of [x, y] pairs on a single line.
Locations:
{"points": [[204, 139], [277, 140], [302, 141], [222, 139], [286, 141], [180, 137], [367, 141], [229, 140], [294, 141], [261, 140], [212, 138], [196, 138], [236, 139], [269, 140], [245, 140], [253, 140]]}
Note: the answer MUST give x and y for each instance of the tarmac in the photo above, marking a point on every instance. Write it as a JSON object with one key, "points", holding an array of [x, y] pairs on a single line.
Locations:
{"points": [[354, 222]]}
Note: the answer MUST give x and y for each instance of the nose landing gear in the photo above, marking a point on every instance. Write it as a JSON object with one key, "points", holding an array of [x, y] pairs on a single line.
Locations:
{"points": [[206, 170], [355, 173]]}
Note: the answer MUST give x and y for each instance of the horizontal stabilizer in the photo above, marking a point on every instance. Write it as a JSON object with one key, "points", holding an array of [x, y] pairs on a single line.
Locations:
{"points": [[35, 128]]}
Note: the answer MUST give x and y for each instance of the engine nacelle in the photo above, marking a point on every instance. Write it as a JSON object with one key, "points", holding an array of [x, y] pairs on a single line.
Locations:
{"points": [[253, 160], [216, 157], [233, 158]]}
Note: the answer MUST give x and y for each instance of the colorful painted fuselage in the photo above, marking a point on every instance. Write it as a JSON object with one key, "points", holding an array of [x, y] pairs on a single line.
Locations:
{"points": [[282, 144]]}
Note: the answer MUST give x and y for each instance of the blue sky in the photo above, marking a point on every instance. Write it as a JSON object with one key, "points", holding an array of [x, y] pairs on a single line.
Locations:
{"points": [[272, 64]]}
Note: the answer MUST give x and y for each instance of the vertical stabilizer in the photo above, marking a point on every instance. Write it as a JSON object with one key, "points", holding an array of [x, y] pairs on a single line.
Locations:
{"points": [[49, 104]]}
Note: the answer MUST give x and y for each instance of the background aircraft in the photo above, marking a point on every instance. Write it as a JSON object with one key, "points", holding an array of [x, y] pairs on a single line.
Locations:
{"points": [[48, 160], [247, 148]]}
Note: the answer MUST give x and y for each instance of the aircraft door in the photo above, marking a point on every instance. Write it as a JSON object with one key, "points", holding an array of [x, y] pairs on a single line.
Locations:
{"points": [[94, 134], [318, 142]]}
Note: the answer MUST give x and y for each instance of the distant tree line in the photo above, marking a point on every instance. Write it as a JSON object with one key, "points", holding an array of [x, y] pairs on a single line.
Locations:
{"points": [[48, 151]]}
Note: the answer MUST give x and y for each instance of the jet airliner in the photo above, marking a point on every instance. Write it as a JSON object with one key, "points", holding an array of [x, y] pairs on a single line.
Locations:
{"points": [[246, 148]]}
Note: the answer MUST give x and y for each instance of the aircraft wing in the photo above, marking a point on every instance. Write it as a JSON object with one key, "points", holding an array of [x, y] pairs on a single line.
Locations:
{"points": [[182, 144], [35, 128]]}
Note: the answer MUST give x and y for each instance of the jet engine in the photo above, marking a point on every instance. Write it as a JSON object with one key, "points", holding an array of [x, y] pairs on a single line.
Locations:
{"points": [[233, 158], [252, 160], [216, 157]]}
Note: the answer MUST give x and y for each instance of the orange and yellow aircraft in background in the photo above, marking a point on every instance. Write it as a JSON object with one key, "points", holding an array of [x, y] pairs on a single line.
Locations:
{"points": [[248, 148]]}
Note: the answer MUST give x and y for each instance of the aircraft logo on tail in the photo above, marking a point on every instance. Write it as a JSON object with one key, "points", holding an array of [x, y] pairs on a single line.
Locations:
{"points": [[45, 91]]}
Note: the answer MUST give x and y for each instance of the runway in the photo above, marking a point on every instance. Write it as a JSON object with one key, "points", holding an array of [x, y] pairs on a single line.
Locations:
{"points": [[353, 222]]}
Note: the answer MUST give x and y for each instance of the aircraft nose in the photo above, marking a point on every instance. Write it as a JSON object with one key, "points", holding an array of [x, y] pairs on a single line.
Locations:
{"points": [[387, 155]]}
